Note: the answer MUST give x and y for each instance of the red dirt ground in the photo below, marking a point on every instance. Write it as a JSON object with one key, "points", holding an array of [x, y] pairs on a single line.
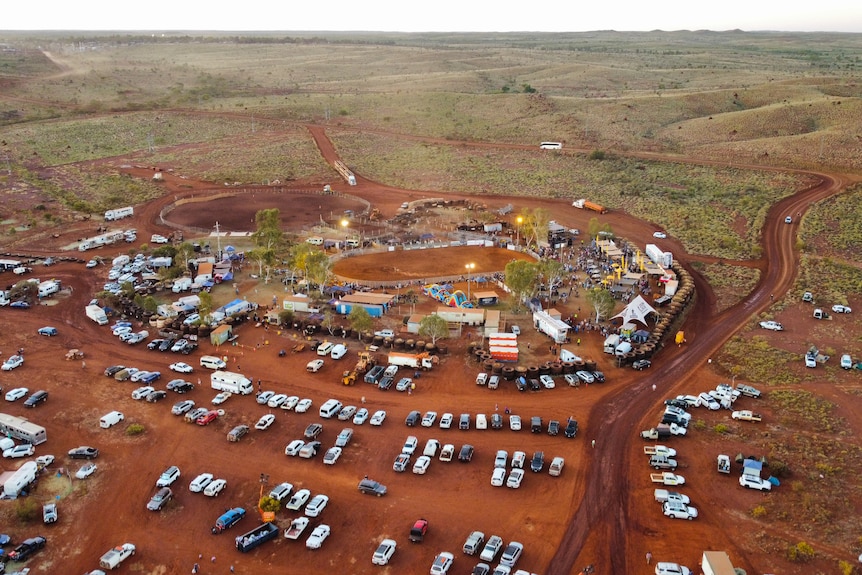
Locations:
{"points": [[600, 511]]}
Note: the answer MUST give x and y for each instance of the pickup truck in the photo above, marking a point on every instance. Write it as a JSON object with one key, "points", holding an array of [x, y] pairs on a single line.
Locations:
{"points": [[297, 526], [745, 415], [747, 390], [662, 495], [667, 478], [659, 450], [662, 462], [663, 430], [260, 534], [113, 558]]}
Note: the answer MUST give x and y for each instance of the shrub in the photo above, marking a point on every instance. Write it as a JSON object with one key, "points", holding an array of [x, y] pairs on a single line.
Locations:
{"points": [[28, 509], [268, 503], [845, 567], [135, 429], [758, 512], [721, 428], [597, 155], [801, 552]]}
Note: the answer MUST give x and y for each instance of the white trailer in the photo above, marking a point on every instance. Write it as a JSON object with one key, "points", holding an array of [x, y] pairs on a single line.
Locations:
{"points": [[716, 563], [468, 316], [25, 475], [554, 328], [412, 360], [96, 314], [105, 239], [49, 287], [113, 558], [233, 382], [9, 264], [182, 284], [4, 297], [119, 213], [659, 256]]}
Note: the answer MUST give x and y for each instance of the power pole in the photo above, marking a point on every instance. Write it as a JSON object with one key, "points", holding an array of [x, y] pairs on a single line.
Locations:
{"points": [[218, 240]]}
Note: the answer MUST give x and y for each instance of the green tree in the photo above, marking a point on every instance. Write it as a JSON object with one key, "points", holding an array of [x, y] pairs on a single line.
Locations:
{"points": [[285, 317], [534, 225], [521, 278], [298, 259], [264, 258], [595, 226], [360, 319], [328, 320], [268, 503], [434, 326], [551, 272], [206, 306], [601, 301], [318, 268], [268, 234]]}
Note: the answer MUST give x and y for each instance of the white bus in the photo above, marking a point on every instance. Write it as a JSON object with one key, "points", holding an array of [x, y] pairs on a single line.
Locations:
{"points": [[550, 146]]}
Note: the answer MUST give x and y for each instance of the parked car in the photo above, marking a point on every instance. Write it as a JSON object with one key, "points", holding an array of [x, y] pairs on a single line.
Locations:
{"points": [[553, 427], [429, 418], [547, 381], [838, 308], [303, 405], [344, 437], [156, 395], [215, 487], [276, 400], [27, 548], [47, 331], [22, 450], [446, 420], [309, 450], [384, 552], [182, 407], [161, 498], [83, 452], [753, 482], [281, 491], [371, 487], [378, 417], [12, 362], [317, 537], [641, 364], [313, 430], [181, 367], [515, 422], [666, 568], [180, 386], [331, 456], [492, 548], [511, 554], [571, 428], [496, 421], [86, 470], [168, 476], [316, 506], [293, 447], [142, 392], [677, 510], [207, 418], [200, 482], [771, 325], [498, 477], [466, 453], [38, 397], [410, 445], [537, 462], [516, 475], [585, 376], [298, 500], [237, 432], [49, 513], [361, 416], [346, 413], [421, 465], [710, 402], [442, 562], [518, 459]]}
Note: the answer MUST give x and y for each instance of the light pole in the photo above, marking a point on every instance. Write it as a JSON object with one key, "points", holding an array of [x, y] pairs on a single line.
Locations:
{"points": [[345, 225], [520, 220], [470, 267]]}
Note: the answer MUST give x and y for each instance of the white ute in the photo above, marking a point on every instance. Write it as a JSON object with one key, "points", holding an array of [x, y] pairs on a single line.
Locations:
{"points": [[113, 558]]}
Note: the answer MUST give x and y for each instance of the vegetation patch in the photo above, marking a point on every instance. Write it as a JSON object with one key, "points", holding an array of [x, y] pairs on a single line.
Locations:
{"points": [[756, 359], [731, 284]]}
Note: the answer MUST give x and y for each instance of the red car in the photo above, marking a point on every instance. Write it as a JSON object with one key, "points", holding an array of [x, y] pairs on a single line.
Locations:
{"points": [[207, 417], [417, 532]]}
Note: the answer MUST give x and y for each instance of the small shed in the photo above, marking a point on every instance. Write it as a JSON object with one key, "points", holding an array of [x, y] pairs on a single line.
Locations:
{"points": [[298, 302], [413, 322], [220, 335]]}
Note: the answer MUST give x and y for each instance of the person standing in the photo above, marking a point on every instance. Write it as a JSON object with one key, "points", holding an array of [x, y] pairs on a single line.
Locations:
{"points": [[648, 557]]}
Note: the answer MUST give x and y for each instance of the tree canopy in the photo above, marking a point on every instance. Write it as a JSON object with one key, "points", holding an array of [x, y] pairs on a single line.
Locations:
{"points": [[521, 278], [601, 301], [434, 326]]}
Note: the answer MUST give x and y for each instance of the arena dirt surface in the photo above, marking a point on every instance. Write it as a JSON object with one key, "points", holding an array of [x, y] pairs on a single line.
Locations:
{"points": [[600, 511]]}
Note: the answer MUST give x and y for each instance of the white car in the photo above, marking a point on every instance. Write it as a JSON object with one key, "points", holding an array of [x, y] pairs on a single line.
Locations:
{"points": [[709, 401], [12, 362], [317, 537], [316, 506], [385, 333], [665, 568], [290, 402], [263, 397], [303, 406], [264, 422], [384, 552], [678, 510], [659, 235], [378, 417], [442, 563], [215, 487], [331, 456], [23, 450], [346, 413], [123, 329], [87, 470], [446, 420], [771, 325], [92, 264], [192, 319], [182, 407], [518, 459], [838, 308], [498, 477], [293, 447], [515, 478], [547, 381], [572, 379], [429, 418], [221, 398], [17, 393], [361, 416], [200, 482], [753, 482], [691, 400], [44, 460], [515, 422], [181, 367], [410, 445], [277, 400], [516, 330], [314, 365], [298, 500], [142, 392], [421, 465]]}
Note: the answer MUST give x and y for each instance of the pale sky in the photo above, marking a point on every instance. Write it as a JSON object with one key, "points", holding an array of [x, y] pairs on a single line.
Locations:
{"points": [[434, 15]]}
